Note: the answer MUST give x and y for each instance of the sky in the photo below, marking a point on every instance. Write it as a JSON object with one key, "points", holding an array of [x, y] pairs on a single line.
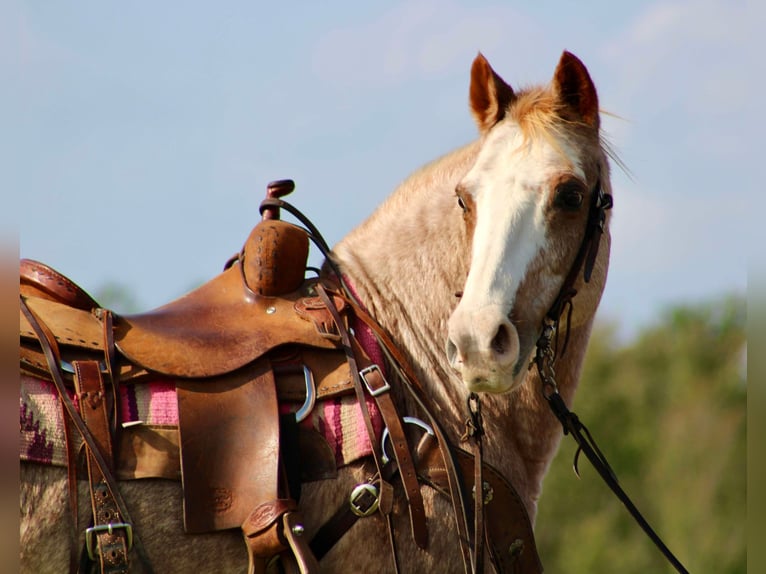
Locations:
{"points": [[138, 138]]}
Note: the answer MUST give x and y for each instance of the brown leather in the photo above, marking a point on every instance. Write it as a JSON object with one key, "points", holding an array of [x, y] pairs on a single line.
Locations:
{"points": [[378, 385], [329, 369], [149, 451], [111, 540], [296, 538], [229, 446], [263, 517], [274, 257], [52, 355], [315, 310], [70, 326], [214, 329], [509, 533], [263, 532], [39, 280], [410, 382]]}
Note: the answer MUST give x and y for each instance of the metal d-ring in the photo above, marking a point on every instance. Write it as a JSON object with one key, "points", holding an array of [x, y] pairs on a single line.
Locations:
{"points": [[308, 404], [409, 420]]}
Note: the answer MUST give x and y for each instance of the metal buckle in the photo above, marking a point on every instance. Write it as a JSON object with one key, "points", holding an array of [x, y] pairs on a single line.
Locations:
{"points": [[409, 420], [91, 532], [355, 501], [374, 392]]}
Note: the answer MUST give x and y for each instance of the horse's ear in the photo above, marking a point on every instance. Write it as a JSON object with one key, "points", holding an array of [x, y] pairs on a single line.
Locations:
{"points": [[490, 95], [574, 88]]}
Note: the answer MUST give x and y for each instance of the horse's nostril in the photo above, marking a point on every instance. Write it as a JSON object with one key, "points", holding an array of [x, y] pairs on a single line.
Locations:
{"points": [[502, 340]]}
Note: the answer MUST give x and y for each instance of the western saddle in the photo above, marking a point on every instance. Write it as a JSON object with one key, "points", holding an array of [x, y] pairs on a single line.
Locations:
{"points": [[256, 335]]}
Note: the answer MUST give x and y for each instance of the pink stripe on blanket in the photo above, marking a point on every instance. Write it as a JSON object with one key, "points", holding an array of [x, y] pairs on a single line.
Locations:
{"points": [[339, 420], [42, 424], [341, 423], [367, 339], [152, 403]]}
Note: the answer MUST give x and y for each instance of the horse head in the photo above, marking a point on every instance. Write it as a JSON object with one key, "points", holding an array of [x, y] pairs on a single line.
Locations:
{"points": [[526, 203]]}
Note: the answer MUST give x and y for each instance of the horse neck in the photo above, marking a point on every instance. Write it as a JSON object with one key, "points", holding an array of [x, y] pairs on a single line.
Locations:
{"points": [[407, 262]]}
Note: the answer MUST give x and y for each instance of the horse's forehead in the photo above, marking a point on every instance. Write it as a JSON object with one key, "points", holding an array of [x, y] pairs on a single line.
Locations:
{"points": [[526, 157]]}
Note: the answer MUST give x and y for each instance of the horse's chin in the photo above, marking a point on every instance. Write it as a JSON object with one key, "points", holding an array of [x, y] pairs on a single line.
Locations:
{"points": [[492, 383]]}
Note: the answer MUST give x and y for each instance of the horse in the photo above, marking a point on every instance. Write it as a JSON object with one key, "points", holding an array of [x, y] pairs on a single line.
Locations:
{"points": [[459, 266]]}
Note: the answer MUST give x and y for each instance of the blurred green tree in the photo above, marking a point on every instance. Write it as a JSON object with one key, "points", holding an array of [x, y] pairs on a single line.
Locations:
{"points": [[669, 412], [115, 296]]}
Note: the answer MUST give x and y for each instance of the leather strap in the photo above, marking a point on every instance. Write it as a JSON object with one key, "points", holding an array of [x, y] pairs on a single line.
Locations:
{"points": [[411, 383], [510, 539], [293, 531], [52, 356], [474, 433], [112, 536], [380, 391], [360, 396]]}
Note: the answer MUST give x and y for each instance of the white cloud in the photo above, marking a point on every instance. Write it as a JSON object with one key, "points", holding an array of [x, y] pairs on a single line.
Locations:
{"points": [[699, 53]]}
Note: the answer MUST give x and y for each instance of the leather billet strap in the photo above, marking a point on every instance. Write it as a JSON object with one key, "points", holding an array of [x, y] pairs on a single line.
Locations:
{"points": [[52, 356], [110, 537], [351, 357], [379, 389], [406, 374]]}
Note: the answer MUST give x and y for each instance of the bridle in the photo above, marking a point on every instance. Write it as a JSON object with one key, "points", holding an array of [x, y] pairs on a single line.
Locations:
{"points": [[548, 351]]}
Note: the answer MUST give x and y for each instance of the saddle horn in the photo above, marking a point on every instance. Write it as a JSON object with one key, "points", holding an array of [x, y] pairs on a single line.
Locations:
{"points": [[275, 254]]}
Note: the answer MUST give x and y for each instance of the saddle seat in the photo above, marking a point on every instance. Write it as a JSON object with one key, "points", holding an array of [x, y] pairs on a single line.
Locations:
{"points": [[217, 328], [260, 302]]}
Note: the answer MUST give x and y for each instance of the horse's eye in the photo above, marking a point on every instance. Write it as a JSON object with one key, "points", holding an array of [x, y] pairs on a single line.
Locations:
{"points": [[569, 196], [461, 203]]}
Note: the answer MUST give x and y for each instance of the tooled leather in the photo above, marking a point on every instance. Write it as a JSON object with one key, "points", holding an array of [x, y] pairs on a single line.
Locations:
{"points": [[230, 447], [38, 279], [507, 523]]}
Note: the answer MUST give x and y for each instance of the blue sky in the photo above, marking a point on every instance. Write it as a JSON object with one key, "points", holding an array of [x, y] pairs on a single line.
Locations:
{"points": [[139, 136]]}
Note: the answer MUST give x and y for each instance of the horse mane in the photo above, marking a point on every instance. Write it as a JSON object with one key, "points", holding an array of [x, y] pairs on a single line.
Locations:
{"points": [[540, 114]]}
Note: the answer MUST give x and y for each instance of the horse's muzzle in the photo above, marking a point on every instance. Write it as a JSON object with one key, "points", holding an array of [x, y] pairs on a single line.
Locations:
{"points": [[483, 346]]}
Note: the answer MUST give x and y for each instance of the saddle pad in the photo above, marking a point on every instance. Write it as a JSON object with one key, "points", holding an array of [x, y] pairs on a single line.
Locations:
{"points": [[42, 425], [338, 420]]}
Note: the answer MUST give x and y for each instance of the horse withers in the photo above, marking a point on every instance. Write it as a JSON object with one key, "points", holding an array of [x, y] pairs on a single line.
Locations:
{"points": [[470, 254]]}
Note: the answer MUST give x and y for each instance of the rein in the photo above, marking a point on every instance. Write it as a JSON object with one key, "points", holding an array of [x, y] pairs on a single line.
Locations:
{"points": [[547, 352]]}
